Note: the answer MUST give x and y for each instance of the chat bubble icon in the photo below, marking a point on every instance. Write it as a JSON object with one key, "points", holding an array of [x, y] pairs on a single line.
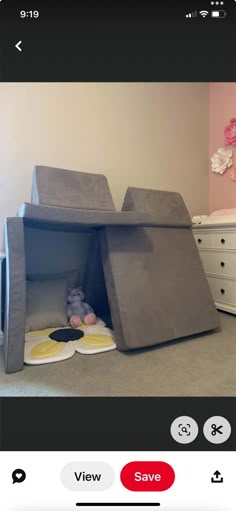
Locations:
{"points": [[18, 476]]}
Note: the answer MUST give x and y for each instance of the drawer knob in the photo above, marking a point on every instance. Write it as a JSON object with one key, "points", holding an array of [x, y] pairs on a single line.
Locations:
{"points": [[222, 240], [199, 240], [222, 291], [222, 264]]}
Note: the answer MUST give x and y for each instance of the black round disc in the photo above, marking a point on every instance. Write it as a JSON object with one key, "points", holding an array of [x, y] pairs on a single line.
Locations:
{"points": [[66, 335]]}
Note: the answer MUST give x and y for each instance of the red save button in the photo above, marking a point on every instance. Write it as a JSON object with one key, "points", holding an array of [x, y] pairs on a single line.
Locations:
{"points": [[147, 476]]}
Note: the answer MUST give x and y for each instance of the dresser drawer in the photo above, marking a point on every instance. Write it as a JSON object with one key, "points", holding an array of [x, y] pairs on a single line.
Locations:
{"points": [[224, 239], [219, 262], [223, 290], [203, 239]]}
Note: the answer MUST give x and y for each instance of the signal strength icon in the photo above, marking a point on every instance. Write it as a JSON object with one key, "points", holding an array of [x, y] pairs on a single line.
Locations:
{"points": [[204, 13], [192, 15]]}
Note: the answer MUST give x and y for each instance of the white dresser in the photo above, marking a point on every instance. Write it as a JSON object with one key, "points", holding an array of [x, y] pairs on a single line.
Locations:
{"points": [[217, 248]]}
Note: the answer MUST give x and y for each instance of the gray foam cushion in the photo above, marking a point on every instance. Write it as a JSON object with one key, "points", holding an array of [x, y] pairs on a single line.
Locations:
{"points": [[37, 215], [72, 277], [71, 189], [46, 304], [14, 324], [53, 252], [166, 207]]}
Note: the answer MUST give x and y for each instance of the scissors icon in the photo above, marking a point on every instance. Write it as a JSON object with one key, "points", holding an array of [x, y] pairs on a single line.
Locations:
{"points": [[216, 429]]}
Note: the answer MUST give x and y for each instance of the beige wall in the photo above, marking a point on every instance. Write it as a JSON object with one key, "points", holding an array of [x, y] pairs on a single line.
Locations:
{"points": [[146, 135]]}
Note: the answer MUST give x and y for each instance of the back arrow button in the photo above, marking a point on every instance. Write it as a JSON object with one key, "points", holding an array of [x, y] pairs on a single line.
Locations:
{"points": [[17, 45]]}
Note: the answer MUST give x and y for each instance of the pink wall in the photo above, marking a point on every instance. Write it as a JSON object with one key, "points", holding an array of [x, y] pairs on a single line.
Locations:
{"points": [[222, 107]]}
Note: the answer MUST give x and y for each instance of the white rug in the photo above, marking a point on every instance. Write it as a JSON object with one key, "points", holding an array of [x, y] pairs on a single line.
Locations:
{"points": [[41, 349]]}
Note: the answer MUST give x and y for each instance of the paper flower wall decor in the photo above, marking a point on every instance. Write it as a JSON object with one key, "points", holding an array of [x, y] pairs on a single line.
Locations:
{"points": [[233, 174], [230, 133], [221, 160]]}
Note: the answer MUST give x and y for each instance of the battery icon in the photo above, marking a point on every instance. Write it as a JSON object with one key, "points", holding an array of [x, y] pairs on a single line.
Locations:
{"points": [[218, 14]]}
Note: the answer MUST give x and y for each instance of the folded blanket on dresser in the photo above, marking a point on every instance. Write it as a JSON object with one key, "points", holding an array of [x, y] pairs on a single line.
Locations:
{"points": [[221, 216]]}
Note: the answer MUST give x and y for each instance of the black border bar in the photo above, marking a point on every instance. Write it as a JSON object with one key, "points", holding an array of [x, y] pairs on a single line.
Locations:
{"points": [[153, 41], [109, 424]]}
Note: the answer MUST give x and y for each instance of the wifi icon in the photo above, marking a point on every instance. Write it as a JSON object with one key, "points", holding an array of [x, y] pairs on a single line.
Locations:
{"points": [[204, 13]]}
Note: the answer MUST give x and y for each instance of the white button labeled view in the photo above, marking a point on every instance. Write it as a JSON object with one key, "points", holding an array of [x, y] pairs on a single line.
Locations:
{"points": [[87, 476]]}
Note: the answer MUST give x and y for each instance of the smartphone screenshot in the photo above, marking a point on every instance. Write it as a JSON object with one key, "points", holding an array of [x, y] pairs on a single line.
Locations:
{"points": [[117, 256]]}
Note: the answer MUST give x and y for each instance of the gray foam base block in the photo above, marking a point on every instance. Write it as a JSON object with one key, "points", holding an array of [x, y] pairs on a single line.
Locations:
{"points": [[149, 269], [156, 293], [14, 324]]}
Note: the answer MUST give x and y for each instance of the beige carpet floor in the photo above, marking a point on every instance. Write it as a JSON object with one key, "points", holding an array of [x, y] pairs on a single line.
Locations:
{"points": [[203, 365]]}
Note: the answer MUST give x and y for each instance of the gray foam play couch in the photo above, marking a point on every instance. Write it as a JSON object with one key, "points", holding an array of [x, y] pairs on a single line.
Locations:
{"points": [[140, 267]]}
